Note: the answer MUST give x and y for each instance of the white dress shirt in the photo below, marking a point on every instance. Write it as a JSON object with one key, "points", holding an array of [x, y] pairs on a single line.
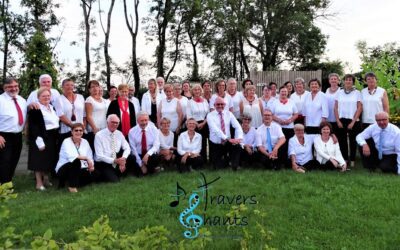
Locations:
{"points": [[135, 141], [331, 98], [284, 111], [315, 109], [303, 152], [347, 103], [299, 100], [64, 107], [69, 152], [34, 98], [136, 105], [227, 99], [372, 104], [146, 101], [249, 138], [275, 131], [9, 122], [186, 145], [51, 120], [103, 146], [197, 110], [326, 150], [214, 124], [391, 139], [166, 142], [99, 113]]}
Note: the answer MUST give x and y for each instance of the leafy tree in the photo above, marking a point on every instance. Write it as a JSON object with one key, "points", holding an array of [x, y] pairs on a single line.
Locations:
{"points": [[38, 60], [42, 13]]}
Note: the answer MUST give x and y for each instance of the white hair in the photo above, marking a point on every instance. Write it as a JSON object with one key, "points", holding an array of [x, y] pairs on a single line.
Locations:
{"points": [[43, 76], [112, 116]]}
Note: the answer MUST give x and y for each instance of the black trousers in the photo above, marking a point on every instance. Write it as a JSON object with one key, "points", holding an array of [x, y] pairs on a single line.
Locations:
{"points": [[9, 155], [284, 159], [205, 134], [246, 159], [223, 154], [152, 163], [268, 163], [106, 172], [72, 173], [388, 163], [342, 134], [90, 138], [312, 130], [328, 166], [311, 165], [195, 163]]}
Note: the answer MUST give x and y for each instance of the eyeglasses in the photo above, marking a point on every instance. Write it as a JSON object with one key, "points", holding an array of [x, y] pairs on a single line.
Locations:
{"points": [[78, 130], [220, 104], [115, 123]]}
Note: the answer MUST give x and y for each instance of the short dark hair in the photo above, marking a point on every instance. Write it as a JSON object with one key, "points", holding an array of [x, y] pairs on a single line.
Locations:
{"points": [[282, 87], [77, 125], [112, 87], [272, 83], [66, 80], [93, 82], [314, 80], [9, 80], [246, 80], [217, 84], [349, 76], [369, 74], [206, 81], [324, 124]]}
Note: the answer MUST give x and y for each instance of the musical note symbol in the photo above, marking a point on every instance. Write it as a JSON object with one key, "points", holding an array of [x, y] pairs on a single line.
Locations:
{"points": [[192, 221], [179, 192]]}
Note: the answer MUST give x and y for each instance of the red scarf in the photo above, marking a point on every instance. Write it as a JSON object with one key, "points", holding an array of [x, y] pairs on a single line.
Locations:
{"points": [[125, 119], [199, 99]]}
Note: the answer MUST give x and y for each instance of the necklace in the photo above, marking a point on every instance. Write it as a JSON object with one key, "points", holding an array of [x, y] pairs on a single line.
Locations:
{"points": [[372, 92], [348, 91]]}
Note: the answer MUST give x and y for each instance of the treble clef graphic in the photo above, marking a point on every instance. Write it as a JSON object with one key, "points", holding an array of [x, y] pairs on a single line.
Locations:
{"points": [[192, 221]]}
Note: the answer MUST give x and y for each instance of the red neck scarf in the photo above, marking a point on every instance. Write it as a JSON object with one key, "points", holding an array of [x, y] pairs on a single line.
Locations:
{"points": [[198, 99], [125, 119]]}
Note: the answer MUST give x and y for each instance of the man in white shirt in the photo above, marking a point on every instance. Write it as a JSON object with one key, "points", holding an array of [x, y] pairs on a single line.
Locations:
{"points": [[224, 147], [385, 150], [45, 81], [12, 121], [145, 144], [111, 151], [160, 86], [270, 139]]}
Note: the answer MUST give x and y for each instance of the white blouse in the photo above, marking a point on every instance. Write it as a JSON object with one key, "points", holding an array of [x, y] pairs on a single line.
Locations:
{"points": [[249, 138], [166, 142], [299, 100], [324, 151], [186, 145], [69, 152], [169, 110], [51, 120], [284, 111], [372, 104], [331, 97], [197, 110], [99, 113], [347, 103], [267, 104], [253, 109], [64, 107], [227, 99], [315, 109], [303, 152], [236, 98], [146, 102]]}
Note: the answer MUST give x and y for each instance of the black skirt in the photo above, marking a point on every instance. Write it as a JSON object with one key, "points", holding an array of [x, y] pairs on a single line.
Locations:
{"points": [[45, 160]]}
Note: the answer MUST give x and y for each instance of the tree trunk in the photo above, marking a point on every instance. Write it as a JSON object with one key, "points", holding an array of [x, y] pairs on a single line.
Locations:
{"points": [[243, 56], [234, 69], [178, 32], [195, 70], [106, 45], [6, 41], [86, 14], [161, 38]]}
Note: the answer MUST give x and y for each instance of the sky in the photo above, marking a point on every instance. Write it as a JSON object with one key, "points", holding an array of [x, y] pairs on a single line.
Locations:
{"points": [[354, 20]]}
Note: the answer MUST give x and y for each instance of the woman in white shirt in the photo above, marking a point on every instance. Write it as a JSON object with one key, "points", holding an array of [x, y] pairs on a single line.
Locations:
{"points": [[183, 101], [374, 100], [186, 90], [249, 142], [189, 147], [331, 95], [75, 164], [70, 108], [298, 97], [252, 106], [315, 108], [150, 100], [96, 110], [166, 138], [327, 152], [236, 96], [301, 150], [198, 109], [170, 108], [348, 109], [43, 135], [220, 87], [266, 99]]}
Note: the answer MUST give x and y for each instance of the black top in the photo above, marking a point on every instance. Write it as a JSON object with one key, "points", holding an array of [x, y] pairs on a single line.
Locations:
{"points": [[115, 109]]}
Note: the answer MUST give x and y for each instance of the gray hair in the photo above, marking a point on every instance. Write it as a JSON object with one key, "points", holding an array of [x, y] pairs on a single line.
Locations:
{"points": [[246, 116], [141, 113], [43, 76], [159, 78], [300, 79], [112, 116], [298, 126], [231, 80], [333, 74], [10, 80], [382, 113], [189, 120]]}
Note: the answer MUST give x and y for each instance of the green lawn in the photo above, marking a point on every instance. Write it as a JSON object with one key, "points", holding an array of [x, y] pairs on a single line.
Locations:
{"points": [[317, 210]]}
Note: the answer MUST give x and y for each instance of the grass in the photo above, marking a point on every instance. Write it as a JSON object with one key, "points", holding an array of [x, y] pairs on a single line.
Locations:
{"points": [[318, 210]]}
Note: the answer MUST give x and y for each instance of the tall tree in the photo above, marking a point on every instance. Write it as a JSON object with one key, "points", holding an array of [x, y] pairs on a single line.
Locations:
{"points": [[133, 28], [87, 6], [13, 27], [285, 30], [42, 13], [106, 32]]}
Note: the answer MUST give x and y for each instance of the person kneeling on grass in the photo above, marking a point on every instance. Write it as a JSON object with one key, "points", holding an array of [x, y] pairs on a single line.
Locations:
{"points": [[75, 164], [249, 142], [300, 150], [166, 137], [145, 144], [111, 151], [386, 138], [327, 151], [270, 139], [189, 147]]}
